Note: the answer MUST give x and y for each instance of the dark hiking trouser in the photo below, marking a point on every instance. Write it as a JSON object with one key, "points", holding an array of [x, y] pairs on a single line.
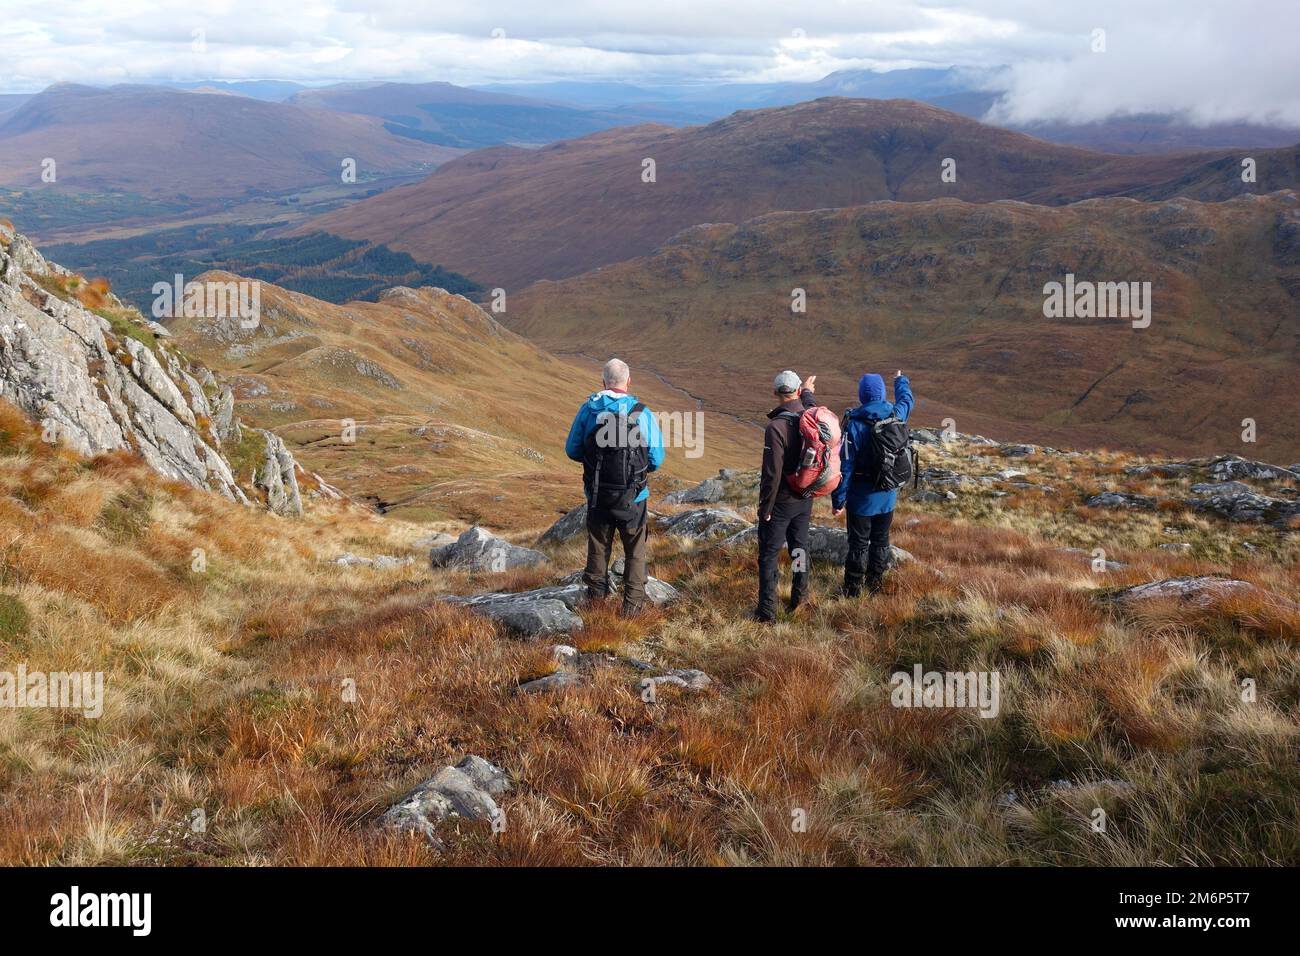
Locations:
{"points": [[788, 526], [601, 527], [868, 550]]}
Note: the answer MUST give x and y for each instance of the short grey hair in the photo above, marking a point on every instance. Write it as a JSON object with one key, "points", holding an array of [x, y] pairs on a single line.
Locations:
{"points": [[616, 373]]}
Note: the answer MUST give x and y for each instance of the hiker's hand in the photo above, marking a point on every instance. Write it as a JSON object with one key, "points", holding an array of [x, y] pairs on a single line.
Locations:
{"points": [[767, 517], [898, 374], [810, 383], [836, 512]]}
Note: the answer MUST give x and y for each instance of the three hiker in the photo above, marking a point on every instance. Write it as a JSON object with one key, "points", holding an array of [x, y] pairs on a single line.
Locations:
{"points": [[861, 461], [783, 514], [618, 441], [868, 486]]}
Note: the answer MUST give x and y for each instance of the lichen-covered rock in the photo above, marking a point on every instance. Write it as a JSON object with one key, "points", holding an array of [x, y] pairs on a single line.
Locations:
{"points": [[1162, 469], [465, 790], [1197, 590], [702, 524], [1019, 451], [277, 477], [528, 613], [1228, 467], [687, 678], [567, 528], [1121, 499], [480, 550], [560, 680], [706, 492], [1246, 506]]}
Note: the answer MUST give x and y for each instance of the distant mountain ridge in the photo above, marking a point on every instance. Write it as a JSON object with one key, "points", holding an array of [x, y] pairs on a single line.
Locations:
{"points": [[508, 217], [170, 144]]}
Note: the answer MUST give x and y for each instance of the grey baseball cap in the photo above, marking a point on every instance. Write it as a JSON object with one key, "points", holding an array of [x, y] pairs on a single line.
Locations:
{"points": [[787, 383]]}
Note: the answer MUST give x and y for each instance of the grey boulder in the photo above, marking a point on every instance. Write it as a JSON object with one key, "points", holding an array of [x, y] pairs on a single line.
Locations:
{"points": [[706, 492], [528, 613], [1121, 499], [567, 528], [702, 524], [480, 550], [1228, 467], [1246, 506], [465, 790], [1196, 590]]}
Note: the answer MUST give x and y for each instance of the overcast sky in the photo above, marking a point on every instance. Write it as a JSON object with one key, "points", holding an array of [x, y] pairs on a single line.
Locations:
{"points": [[1224, 60]]}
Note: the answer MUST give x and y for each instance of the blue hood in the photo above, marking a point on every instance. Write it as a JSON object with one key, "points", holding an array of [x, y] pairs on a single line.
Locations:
{"points": [[607, 401], [871, 388]]}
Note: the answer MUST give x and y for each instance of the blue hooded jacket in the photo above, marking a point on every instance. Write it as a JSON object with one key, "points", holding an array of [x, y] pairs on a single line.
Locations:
{"points": [[861, 500], [588, 420]]}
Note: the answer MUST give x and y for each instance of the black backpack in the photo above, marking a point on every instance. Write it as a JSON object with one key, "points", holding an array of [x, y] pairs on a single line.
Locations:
{"points": [[891, 462], [615, 460]]}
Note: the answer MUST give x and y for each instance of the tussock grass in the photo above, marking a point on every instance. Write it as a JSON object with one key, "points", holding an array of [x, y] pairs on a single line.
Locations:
{"points": [[228, 695]]}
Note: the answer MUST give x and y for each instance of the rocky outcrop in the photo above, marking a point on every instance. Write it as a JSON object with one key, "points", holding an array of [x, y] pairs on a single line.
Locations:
{"points": [[90, 385], [538, 613], [480, 550], [705, 493], [567, 528], [98, 377], [380, 562], [1198, 591], [575, 669], [553, 609], [1228, 467], [1121, 499], [1234, 505], [701, 524], [467, 790], [277, 476]]}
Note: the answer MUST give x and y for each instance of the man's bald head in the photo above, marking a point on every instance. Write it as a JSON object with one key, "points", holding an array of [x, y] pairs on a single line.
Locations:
{"points": [[616, 374]]}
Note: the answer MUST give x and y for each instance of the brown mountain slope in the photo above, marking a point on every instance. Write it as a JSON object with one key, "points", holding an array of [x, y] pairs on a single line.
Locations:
{"points": [[953, 292], [509, 216], [455, 415], [165, 143]]}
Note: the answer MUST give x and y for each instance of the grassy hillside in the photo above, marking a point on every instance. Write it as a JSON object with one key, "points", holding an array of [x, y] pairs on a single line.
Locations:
{"points": [[952, 292], [223, 691], [455, 415]]}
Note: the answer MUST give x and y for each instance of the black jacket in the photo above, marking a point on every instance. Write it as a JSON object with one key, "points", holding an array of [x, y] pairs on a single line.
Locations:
{"points": [[781, 447]]}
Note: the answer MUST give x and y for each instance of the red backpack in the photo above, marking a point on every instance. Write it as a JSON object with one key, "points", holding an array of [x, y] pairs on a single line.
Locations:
{"points": [[818, 472]]}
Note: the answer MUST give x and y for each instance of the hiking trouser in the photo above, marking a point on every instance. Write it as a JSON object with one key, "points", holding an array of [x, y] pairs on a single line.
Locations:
{"points": [[868, 550], [601, 528], [787, 527]]}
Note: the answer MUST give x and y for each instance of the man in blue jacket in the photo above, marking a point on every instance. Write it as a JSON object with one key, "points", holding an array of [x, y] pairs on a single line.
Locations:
{"points": [[618, 441], [870, 512]]}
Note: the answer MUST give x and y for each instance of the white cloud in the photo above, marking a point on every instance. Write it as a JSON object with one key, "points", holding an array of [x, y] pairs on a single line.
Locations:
{"points": [[1210, 60]]}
